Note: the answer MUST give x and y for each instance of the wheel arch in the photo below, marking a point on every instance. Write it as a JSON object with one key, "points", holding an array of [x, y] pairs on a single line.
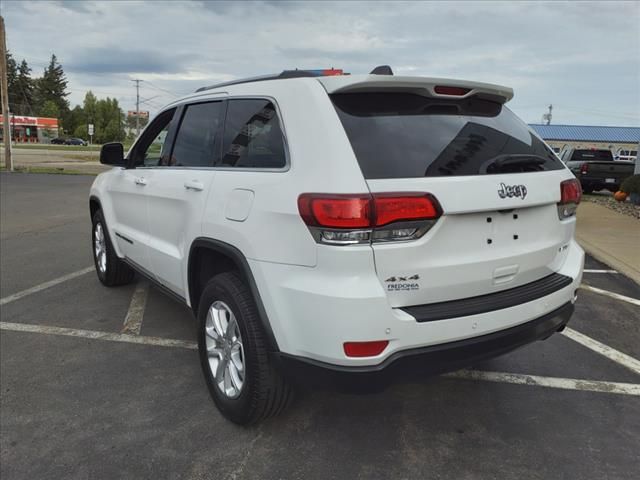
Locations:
{"points": [[208, 257], [94, 205]]}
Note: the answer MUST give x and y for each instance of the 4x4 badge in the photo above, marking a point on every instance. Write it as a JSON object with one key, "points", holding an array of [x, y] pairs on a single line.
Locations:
{"points": [[403, 279], [512, 191]]}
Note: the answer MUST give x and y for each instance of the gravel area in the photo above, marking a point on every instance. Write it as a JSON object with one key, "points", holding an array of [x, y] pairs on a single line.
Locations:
{"points": [[626, 208]]}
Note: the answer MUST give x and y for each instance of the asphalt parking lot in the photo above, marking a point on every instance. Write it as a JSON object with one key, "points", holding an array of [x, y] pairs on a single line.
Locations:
{"points": [[81, 400]]}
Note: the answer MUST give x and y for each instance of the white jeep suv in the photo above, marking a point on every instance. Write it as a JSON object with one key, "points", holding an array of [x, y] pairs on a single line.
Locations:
{"points": [[343, 229]]}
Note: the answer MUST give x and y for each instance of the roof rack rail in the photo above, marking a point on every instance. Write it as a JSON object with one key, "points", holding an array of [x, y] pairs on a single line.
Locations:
{"points": [[277, 76]]}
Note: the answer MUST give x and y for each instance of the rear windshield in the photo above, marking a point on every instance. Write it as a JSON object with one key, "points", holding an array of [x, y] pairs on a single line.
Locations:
{"points": [[404, 135], [598, 155]]}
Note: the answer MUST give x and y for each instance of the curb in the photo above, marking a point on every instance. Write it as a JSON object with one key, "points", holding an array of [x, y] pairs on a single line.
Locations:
{"points": [[605, 257]]}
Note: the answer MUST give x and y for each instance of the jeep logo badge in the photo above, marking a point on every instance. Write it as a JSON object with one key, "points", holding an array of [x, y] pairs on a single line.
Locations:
{"points": [[512, 191]]}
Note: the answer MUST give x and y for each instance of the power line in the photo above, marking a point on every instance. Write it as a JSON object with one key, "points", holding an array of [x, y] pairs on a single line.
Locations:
{"points": [[161, 89]]}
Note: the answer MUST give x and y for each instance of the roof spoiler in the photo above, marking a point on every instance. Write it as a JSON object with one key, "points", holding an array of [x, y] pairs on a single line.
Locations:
{"points": [[430, 87]]}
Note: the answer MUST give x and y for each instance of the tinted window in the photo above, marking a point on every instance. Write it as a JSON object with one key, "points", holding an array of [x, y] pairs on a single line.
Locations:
{"points": [[152, 147], [252, 136], [195, 144], [402, 135], [599, 155]]}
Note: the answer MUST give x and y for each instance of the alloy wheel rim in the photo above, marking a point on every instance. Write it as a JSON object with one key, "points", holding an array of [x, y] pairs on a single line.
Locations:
{"points": [[100, 248], [225, 352]]}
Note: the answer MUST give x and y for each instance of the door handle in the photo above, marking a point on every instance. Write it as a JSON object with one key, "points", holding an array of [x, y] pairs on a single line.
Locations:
{"points": [[194, 185], [140, 181]]}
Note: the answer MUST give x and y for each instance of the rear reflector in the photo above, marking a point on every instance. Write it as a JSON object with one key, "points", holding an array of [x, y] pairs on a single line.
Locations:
{"points": [[365, 349], [446, 90], [570, 191], [584, 168]]}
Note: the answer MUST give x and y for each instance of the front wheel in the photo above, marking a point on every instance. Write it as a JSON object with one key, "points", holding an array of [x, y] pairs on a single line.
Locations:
{"points": [[242, 380], [110, 269]]}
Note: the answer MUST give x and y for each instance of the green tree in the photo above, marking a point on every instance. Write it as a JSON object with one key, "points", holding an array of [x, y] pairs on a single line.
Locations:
{"points": [[76, 119], [12, 86], [90, 107], [81, 132], [25, 90], [131, 122], [52, 87], [108, 119], [50, 109]]}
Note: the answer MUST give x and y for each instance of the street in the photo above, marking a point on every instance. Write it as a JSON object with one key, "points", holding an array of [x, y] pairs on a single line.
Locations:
{"points": [[82, 400]]}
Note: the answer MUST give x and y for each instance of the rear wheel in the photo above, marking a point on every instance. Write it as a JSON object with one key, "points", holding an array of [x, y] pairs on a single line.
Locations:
{"points": [[111, 270], [587, 189], [242, 380]]}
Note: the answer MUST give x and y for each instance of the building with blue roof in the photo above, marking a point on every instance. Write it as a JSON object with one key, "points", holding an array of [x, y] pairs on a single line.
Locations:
{"points": [[622, 141]]}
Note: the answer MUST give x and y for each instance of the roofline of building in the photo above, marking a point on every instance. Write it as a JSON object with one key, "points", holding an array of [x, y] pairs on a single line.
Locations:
{"points": [[588, 126]]}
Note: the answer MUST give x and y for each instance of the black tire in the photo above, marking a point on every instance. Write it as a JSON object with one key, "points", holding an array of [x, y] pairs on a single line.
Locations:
{"points": [[265, 392], [116, 272], [588, 189]]}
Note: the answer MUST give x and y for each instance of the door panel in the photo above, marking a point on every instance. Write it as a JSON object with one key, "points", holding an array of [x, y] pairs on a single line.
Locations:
{"points": [[178, 189], [175, 211], [128, 191], [130, 223]]}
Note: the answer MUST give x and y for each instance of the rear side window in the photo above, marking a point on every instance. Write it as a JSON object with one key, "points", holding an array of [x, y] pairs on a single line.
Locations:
{"points": [[403, 135], [195, 144], [252, 135], [598, 155]]}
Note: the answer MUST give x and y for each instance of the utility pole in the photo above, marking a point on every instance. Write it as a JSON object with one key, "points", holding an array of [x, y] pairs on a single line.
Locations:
{"points": [[4, 93], [547, 116], [137, 80]]}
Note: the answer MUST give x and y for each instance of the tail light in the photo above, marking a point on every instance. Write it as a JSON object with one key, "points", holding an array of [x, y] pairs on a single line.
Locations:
{"points": [[356, 219], [584, 168], [336, 211], [570, 194]]}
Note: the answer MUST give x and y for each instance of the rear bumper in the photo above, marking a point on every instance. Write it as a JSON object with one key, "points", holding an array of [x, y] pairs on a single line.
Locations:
{"points": [[424, 361], [600, 182], [313, 311]]}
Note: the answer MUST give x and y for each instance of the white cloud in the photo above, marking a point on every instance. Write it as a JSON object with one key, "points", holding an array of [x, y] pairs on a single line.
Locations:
{"points": [[584, 57]]}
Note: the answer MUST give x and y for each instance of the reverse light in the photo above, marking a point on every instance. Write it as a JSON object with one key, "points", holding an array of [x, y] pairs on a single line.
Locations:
{"points": [[570, 195], [365, 349], [362, 218]]}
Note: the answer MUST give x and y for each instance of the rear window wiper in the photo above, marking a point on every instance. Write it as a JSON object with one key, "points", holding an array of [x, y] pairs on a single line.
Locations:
{"points": [[522, 162]]}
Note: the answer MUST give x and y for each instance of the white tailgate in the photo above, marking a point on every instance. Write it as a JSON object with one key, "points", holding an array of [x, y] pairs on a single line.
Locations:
{"points": [[482, 244]]}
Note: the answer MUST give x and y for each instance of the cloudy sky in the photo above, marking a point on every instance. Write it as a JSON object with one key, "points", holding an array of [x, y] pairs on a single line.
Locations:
{"points": [[584, 58]]}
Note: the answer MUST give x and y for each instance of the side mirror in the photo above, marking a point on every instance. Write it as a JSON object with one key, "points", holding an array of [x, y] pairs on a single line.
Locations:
{"points": [[112, 154]]}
